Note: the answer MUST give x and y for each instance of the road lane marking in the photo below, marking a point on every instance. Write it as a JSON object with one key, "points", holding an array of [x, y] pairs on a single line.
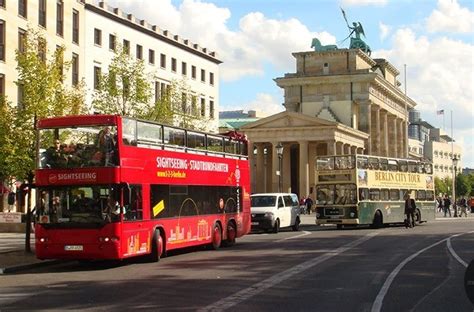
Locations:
{"points": [[292, 237], [259, 287], [377, 306], [454, 254]]}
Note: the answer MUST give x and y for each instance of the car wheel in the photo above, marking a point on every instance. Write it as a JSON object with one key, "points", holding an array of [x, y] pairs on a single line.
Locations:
{"points": [[296, 226], [276, 226]]}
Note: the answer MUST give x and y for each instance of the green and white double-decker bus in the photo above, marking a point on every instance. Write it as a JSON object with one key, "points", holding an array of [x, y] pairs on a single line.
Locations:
{"points": [[361, 189]]}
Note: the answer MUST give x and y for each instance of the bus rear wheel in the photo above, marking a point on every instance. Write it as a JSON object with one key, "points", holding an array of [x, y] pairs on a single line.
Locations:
{"points": [[231, 234], [378, 222], [157, 246], [216, 236]]}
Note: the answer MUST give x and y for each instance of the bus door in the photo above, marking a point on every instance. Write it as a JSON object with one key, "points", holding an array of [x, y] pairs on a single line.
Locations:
{"points": [[136, 236]]}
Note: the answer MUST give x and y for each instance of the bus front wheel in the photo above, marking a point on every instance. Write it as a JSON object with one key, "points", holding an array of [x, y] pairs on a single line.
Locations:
{"points": [[378, 222], [157, 246], [216, 237]]}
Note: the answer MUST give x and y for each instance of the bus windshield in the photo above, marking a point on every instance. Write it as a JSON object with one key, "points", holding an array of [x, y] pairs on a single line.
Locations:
{"points": [[336, 194], [77, 147], [78, 205]]}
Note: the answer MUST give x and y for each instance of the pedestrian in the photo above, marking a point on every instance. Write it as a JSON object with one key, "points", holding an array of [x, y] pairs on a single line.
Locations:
{"points": [[410, 207], [463, 205], [439, 202], [309, 204], [11, 201], [447, 203]]}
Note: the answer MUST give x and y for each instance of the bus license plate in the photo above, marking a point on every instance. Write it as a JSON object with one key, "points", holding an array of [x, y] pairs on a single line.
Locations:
{"points": [[73, 248]]}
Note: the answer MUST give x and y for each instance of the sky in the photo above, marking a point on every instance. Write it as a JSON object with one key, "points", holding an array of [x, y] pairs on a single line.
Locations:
{"points": [[255, 40]]}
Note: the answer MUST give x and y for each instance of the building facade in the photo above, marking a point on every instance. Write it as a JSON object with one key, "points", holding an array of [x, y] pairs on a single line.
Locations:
{"points": [[337, 102], [90, 31]]}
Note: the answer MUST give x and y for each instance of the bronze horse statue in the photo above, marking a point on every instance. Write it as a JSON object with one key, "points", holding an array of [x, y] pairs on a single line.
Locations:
{"points": [[316, 44]]}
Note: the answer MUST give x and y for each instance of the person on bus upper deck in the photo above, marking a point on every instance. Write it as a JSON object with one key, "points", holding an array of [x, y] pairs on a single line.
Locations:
{"points": [[410, 207], [107, 145]]}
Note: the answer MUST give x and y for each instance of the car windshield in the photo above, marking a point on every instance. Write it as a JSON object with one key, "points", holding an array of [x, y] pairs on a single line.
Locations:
{"points": [[263, 201]]}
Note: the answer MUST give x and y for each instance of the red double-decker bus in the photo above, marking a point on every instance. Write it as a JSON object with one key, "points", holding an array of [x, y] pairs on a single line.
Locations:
{"points": [[112, 187]]}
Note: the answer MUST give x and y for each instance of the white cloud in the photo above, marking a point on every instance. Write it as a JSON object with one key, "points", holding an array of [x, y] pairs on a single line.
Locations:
{"points": [[363, 2], [244, 52], [384, 31], [451, 17], [265, 103], [439, 76]]}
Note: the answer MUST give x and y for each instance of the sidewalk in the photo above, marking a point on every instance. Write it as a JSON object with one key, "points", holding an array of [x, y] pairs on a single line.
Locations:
{"points": [[13, 256]]}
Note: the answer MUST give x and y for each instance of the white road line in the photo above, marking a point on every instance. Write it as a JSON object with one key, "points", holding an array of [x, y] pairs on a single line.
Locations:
{"points": [[257, 288], [377, 306], [454, 254], [292, 237]]}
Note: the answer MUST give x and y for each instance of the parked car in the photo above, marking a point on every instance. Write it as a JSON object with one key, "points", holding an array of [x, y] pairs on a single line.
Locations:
{"points": [[272, 211]]}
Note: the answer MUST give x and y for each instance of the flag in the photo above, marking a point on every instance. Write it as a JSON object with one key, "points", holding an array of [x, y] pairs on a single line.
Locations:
{"points": [[440, 112]]}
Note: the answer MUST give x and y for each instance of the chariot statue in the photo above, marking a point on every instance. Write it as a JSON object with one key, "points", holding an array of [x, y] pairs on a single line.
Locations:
{"points": [[318, 47], [356, 30]]}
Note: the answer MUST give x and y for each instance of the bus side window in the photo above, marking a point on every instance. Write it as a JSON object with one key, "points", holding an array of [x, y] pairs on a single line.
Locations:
{"points": [[133, 209], [363, 194]]}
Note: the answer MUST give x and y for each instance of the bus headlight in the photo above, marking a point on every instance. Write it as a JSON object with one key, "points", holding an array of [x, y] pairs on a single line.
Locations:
{"points": [[317, 214], [352, 214], [107, 239]]}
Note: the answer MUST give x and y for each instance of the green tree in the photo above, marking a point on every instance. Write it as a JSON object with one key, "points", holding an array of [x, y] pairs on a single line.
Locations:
{"points": [[440, 186], [181, 107], [124, 89], [463, 185], [42, 93]]}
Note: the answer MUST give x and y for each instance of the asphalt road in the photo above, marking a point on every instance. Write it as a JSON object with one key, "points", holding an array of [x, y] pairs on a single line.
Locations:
{"points": [[314, 269]]}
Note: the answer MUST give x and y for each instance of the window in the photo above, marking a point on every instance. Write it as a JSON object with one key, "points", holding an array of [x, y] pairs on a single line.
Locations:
{"points": [[157, 91], [2, 40], [193, 72], [2, 3], [203, 107], [59, 18], [112, 42], [184, 100], [21, 95], [151, 56], [2, 85], [162, 60], [75, 26], [75, 69], [184, 68], [203, 75], [211, 109], [22, 8], [97, 36], [211, 78], [96, 77], [164, 91], [42, 49], [126, 46], [21, 40], [173, 64], [60, 53], [194, 110], [42, 13], [139, 52]]}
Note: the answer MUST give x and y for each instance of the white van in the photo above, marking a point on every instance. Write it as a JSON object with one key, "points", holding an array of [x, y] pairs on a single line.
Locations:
{"points": [[270, 211]]}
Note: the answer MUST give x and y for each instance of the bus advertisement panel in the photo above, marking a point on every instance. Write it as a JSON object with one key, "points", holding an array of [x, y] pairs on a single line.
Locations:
{"points": [[361, 189], [113, 187]]}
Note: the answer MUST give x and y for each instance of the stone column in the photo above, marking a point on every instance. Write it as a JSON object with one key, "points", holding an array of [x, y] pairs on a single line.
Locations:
{"points": [[304, 169], [331, 148], [259, 174], [365, 122], [253, 166], [375, 130], [384, 133], [401, 138], [275, 168], [286, 170], [392, 136]]}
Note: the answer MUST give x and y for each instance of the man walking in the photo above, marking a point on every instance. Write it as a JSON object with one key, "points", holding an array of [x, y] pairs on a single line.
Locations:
{"points": [[447, 203], [410, 207]]}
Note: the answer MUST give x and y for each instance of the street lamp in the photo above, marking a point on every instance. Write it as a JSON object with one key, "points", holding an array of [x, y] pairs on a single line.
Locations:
{"points": [[279, 150], [455, 164]]}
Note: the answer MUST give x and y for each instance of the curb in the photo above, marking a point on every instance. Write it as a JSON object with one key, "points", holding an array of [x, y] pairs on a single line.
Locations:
{"points": [[22, 267]]}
